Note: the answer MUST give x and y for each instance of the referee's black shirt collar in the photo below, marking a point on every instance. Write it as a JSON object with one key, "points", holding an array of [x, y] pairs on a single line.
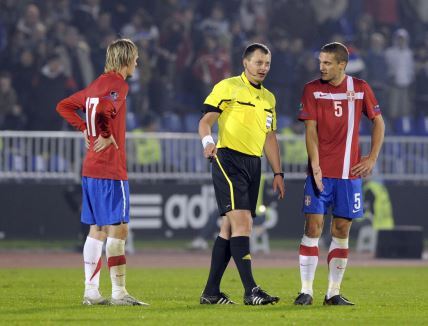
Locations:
{"points": [[246, 81]]}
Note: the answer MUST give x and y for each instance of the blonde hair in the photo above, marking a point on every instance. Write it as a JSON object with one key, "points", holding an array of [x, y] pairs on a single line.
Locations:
{"points": [[120, 53]]}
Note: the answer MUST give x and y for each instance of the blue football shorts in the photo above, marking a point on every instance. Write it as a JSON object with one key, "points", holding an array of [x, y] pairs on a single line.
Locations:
{"points": [[343, 195], [105, 201]]}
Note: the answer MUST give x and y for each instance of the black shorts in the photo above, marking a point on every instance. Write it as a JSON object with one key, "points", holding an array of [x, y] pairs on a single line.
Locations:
{"points": [[236, 179]]}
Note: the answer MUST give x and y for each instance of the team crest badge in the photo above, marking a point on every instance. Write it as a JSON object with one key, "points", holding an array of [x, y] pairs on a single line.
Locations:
{"points": [[307, 200], [351, 96]]}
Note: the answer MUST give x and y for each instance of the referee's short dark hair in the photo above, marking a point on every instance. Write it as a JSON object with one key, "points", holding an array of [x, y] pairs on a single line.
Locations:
{"points": [[339, 50], [253, 47]]}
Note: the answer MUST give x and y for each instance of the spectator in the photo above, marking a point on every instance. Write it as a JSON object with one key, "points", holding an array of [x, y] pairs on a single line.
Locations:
{"points": [[400, 63], [365, 29], [75, 54], [121, 10], [416, 17], [55, 11], [217, 25], [356, 64], [57, 33], [101, 28], [49, 91], [328, 14], [25, 78], [281, 75], [15, 119], [10, 12], [86, 15], [239, 40], [8, 97], [148, 151], [252, 13], [183, 80], [30, 23], [375, 68], [307, 69], [421, 94], [289, 15], [98, 51], [385, 12], [141, 27], [211, 66], [298, 54], [294, 150]]}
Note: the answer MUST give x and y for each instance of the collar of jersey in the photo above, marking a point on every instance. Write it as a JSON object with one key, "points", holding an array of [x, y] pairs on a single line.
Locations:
{"points": [[337, 86], [247, 82], [115, 74]]}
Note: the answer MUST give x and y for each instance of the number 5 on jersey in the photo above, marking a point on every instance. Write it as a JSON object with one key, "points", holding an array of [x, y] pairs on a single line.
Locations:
{"points": [[91, 109], [338, 111]]}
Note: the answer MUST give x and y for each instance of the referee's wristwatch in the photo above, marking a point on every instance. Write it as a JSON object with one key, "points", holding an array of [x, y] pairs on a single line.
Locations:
{"points": [[278, 173]]}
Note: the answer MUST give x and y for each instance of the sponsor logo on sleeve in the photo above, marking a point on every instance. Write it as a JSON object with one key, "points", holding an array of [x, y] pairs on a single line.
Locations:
{"points": [[114, 95]]}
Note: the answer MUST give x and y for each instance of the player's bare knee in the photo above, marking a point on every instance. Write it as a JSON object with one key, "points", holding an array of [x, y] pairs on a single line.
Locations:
{"points": [[313, 229], [340, 231], [97, 233], [242, 229], [340, 228], [118, 231]]}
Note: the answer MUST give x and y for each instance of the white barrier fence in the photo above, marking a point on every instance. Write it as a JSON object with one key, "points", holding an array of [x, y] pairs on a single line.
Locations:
{"points": [[40, 155]]}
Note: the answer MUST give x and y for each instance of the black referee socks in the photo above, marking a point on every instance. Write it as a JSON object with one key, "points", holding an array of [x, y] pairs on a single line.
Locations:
{"points": [[219, 260], [240, 248]]}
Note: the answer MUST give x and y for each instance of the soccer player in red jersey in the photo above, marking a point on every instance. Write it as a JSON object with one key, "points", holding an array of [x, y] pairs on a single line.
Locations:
{"points": [[105, 204], [331, 109]]}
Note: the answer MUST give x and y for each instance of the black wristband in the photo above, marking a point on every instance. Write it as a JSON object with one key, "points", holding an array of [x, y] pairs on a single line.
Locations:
{"points": [[279, 173]]}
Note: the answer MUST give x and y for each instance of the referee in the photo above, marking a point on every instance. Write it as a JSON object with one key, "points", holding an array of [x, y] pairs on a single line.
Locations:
{"points": [[245, 112]]}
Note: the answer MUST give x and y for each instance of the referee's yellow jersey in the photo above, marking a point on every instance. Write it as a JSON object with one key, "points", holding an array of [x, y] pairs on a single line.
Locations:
{"points": [[247, 114]]}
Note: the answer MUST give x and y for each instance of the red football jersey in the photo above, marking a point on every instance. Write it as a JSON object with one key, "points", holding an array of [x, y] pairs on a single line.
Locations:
{"points": [[337, 111], [104, 105]]}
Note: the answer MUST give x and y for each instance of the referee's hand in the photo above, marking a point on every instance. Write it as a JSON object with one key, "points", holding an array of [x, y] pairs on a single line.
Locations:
{"points": [[210, 151]]}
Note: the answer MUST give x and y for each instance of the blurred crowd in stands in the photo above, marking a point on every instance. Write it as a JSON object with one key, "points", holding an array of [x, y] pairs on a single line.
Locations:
{"points": [[52, 48]]}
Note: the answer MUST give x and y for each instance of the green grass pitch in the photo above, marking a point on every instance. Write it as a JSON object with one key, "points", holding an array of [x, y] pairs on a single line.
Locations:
{"points": [[383, 296]]}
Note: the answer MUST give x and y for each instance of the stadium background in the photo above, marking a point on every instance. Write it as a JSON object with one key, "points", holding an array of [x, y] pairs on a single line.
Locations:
{"points": [[49, 49]]}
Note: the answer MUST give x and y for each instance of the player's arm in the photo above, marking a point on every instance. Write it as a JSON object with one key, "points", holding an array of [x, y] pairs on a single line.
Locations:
{"points": [[311, 136], [367, 163], [213, 109], [372, 111], [308, 113], [205, 126], [271, 150], [105, 111], [67, 108]]}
